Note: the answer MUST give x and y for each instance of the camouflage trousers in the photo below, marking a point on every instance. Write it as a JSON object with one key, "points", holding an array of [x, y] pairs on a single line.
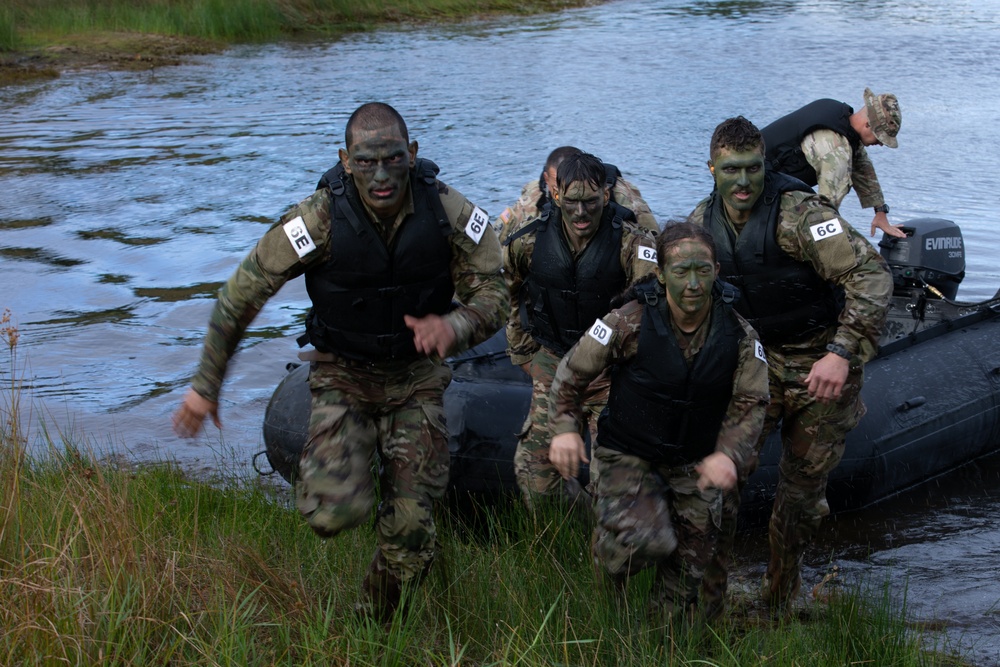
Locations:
{"points": [[812, 444], [536, 476], [392, 410], [655, 516]]}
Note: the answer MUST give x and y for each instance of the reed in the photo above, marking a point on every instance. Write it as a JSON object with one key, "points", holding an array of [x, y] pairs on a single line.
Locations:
{"points": [[10, 40], [103, 562], [236, 20]]}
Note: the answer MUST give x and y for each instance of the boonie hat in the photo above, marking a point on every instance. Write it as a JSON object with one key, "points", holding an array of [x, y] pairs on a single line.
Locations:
{"points": [[883, 116]]}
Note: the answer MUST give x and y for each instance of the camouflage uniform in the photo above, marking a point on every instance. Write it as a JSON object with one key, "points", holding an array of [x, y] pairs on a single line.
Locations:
{"points": [[838, 168], [526, 207], [535, 473], [392, 407], [644, 510], [812, 432]]}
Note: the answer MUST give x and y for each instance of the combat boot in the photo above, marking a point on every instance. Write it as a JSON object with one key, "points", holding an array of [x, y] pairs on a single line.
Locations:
{"points": [[381, 592]]}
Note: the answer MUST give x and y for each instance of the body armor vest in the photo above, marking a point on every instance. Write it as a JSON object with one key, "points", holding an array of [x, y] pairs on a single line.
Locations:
{"points": [[660, 408], [563, 295], [364, 287], [783, 138], [784, 299]]}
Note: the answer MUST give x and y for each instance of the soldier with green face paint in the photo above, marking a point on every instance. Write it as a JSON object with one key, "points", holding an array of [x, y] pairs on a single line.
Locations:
{"points": [[816, 292], [562, 269], [537, 195], [385, 248], [685, 409]]}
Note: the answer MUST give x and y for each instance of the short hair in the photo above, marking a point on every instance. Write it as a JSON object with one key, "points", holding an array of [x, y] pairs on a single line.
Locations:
{"points": [[556, 157], [581, 167], [676, 231], [736, 134], [372, 116]]}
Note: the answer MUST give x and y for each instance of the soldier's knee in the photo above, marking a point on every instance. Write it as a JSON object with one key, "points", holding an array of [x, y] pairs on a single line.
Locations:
{"points": [[329, 522], [328, 518], [407, 523]]}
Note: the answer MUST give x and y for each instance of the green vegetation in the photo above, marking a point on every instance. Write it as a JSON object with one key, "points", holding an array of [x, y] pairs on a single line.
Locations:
{"points": [[102, 563], [46, 21]]}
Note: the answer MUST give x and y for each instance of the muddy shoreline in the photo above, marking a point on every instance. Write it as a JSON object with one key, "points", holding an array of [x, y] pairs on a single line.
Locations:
{"points": [[112, 51]]}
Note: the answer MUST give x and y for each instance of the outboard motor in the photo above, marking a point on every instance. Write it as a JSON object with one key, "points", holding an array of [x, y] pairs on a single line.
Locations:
{"points": [[932, 254]]}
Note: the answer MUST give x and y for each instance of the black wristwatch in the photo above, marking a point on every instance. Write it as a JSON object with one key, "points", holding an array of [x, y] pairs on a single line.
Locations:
{"points": [[882, 208], [839, 350]]}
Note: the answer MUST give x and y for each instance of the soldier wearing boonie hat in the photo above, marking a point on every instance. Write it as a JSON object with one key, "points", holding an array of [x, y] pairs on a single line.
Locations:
{"points": [[883, 117], [823, 144]]}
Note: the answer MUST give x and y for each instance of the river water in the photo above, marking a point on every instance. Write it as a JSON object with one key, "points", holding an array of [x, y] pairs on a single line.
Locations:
{"points": [[126, 199]]}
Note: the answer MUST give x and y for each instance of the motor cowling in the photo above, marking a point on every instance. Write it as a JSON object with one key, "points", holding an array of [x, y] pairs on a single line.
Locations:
{"points": [[932, 253]]}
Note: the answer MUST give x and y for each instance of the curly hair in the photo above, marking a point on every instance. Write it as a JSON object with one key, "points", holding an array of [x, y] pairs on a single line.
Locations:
{"points": [[736, 134]]}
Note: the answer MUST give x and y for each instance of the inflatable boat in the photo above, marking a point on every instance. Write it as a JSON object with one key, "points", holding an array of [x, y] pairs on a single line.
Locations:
{"points": [[932, 393]]}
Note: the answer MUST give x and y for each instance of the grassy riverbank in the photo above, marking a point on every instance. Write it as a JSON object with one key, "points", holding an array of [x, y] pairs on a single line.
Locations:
{"points": [[104, 563], [41, 37]]}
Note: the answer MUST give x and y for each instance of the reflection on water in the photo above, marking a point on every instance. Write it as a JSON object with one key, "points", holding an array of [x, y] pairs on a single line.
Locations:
{"points": [[127, 198]]}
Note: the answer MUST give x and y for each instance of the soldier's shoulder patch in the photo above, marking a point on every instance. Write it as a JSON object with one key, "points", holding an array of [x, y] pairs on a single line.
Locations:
{"points": [[600, 332], [758, 351], [647, 254], [826, 229], [478, 222], [298, 235]]}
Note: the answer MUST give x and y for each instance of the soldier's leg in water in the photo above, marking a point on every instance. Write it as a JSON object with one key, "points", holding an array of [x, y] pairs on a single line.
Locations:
{"points": [[813, 436], [696, 518], [414, 475], [536, 476]]}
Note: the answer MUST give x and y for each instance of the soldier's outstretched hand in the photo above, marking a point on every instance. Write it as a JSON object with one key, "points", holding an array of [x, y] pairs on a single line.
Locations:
{"points": [[431, 334], [881, 221], [190, 416]]}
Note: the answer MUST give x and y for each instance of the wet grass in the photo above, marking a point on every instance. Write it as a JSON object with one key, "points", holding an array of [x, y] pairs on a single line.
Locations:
{"points": [[106, 563]]}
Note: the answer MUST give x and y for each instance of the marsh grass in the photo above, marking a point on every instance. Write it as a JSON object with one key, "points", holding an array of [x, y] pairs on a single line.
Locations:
{"points": [[107, 563], [9, 38], [236, 20]]}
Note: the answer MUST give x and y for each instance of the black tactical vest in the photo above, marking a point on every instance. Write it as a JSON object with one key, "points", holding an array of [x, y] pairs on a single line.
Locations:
{"points": [[784, 299], [363, 289], [563, 295], [783, 138], [659, 408]]}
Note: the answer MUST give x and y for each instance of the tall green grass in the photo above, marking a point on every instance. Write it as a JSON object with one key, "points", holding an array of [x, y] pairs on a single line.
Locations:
{"points": [[10, 40], [238, 20], [106, 563]]}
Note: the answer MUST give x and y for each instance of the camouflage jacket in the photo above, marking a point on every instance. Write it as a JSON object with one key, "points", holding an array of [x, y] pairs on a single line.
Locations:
{"points": [[475, 271], [636, 260], [526, 207], [588, 358], [838, 168], [842, 257]]}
